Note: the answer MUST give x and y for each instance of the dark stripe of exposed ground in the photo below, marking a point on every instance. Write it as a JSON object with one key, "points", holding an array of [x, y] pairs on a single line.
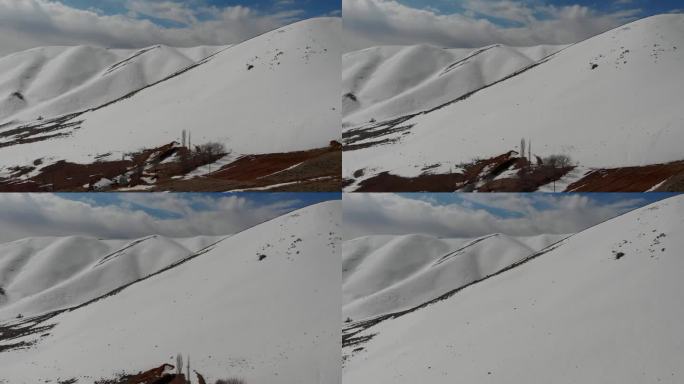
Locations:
{"points": [[633, 179], [315, 170], [484, 176]]}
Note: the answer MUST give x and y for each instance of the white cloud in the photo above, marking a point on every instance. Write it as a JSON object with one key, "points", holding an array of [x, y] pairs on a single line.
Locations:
{"points": [[366, 214], [26, 24], [28, 215], [387, 22], [165, 10]]}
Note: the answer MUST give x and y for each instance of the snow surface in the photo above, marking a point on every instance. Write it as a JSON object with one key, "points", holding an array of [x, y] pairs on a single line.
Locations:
{"points": [[562, 184], [625, 112], [58, 80], [270, 320], [44, 274], [288, 100], [392, 81], [575, 314], [385, 274]]}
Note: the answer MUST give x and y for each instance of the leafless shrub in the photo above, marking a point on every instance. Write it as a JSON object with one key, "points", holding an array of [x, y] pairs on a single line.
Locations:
{"points": [[558, 161], [232, 380], [201, 155], [210, 149]]}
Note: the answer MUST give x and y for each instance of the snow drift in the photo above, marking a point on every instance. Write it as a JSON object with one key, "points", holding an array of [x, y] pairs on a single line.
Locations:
{"points": [[260, 305], [603, 305]]}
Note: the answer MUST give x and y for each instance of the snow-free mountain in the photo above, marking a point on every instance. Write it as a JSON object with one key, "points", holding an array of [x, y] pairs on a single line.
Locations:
{"points": [[612, 100], [601, 306], [262, 305], [277, 92]]}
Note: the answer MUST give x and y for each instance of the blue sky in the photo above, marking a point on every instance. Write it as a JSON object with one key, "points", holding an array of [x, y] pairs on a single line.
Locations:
{"points": [[474, 214], [539, 202], [198, 202], [312, 7], [134, 215], [646, 7], [26, 24], [476, 23], [308, 8]]}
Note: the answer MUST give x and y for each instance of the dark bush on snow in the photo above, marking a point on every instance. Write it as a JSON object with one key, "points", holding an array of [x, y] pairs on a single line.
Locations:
{"points": [[210, 149], [232, 380], [558, 161], [203, 154]]}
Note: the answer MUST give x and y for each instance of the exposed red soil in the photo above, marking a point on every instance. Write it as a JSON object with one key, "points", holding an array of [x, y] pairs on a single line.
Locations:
{"points": [[478, 176], [484, 176], [319, 170], [160, 375], [67, 176], [633, 179], [386, 182]]}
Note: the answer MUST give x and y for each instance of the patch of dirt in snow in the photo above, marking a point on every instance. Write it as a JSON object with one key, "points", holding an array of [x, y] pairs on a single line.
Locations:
{"points": [[670, 176], [67, 176], [503, 173], [312, 170], [40, 130], [510, 173], [162, 169]]}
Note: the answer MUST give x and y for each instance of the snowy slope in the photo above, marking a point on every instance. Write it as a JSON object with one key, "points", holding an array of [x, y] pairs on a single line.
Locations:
{"points": [[51, 81], [269, 320], [277, 92], [39, 275], [623, 112], [384, 274], [603, 306], [391, 81]]}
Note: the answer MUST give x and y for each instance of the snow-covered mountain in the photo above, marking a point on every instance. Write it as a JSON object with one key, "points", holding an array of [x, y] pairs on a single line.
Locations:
{"points": [[390, 81], [382, 274], [262, 304], [277, 92], [40, 275], [603, 305], [51, 81], [609, 101]]}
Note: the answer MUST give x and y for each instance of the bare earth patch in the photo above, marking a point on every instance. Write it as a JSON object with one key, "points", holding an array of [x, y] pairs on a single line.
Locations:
{"points": [[510, 173], [165, 168]]}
